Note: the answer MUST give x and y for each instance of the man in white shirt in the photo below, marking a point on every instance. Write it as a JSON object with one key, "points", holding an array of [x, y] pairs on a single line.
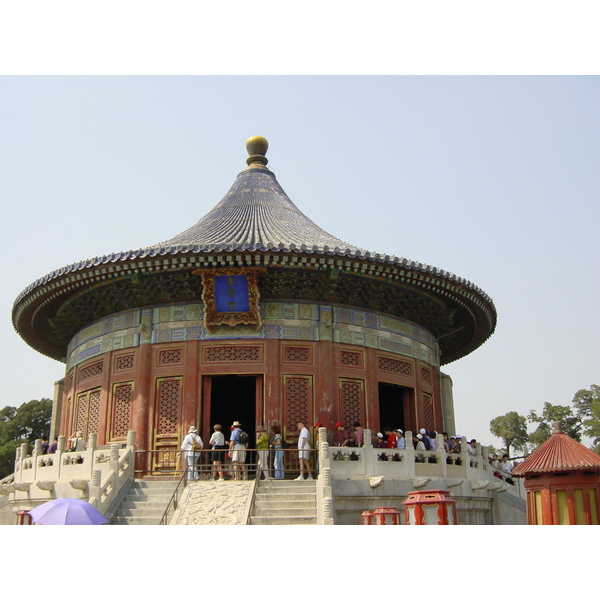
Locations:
{"points": [[191, 454], [303, 452]]}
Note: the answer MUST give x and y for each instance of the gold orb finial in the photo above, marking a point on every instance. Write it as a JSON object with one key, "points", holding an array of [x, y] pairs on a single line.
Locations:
{"points": [[257, 147]]}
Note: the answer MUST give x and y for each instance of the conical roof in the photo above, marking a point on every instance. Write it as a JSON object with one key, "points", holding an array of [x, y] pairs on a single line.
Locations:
{"points": [[558, 453], [255, 224], [256, 214]]}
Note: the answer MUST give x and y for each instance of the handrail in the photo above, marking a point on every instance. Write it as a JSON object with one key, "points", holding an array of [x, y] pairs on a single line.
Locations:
{"points": [[173, 500]]}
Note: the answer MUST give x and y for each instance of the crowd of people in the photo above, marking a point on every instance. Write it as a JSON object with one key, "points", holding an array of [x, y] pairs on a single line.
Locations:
{"points": [[270, 448], [236, 449]]}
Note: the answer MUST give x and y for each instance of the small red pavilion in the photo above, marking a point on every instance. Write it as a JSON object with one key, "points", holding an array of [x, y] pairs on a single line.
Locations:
{"points": [[562, 481]]}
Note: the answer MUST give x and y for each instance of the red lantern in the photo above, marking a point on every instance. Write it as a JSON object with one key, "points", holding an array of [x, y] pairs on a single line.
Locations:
{"points": [[430, 507]]}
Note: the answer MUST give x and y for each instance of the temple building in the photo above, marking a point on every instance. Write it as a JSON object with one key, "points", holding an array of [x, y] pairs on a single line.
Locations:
{"points": [[253, 314]]}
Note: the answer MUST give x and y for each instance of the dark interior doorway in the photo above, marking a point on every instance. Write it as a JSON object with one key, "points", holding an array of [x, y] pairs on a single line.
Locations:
{"points": [[392, 404], [233, 398]]}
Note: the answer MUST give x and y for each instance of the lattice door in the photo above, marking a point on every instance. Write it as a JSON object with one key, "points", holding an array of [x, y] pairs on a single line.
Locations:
{"points": [[298, 404], [87, 412], [121, 410], [352, 401], [428, 412], [167, 413]]}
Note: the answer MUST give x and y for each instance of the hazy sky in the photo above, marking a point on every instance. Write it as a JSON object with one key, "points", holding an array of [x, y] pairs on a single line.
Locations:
{"points": [[494, 179]]}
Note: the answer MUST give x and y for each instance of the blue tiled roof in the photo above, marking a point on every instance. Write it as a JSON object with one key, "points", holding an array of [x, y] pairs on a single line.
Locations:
{"points": [[257, 214]]}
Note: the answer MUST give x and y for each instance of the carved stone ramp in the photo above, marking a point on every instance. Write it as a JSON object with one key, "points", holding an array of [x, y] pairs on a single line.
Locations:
{"points": [[283, 502], [145, 503]]}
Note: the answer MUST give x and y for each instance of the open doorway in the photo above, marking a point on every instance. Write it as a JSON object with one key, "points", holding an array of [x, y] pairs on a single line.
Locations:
{"points": [[233, 398], [394, 406]]}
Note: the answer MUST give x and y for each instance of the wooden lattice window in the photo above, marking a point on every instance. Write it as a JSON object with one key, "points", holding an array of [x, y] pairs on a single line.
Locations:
{"points": [[233, 354], [90, 371], [298, 400], [428, 413], [172, 356], [124, 362], [122, 403], [350, 359], [351, 400], [392, 365], [88, 412], [296, 354], [425, 375], [169, 394]]}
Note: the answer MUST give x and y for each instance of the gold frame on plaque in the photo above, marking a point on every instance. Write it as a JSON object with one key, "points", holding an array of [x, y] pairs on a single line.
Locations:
{"points": [[214, 318]]}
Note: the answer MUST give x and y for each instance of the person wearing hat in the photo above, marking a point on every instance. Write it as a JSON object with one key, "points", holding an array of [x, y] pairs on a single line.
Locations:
{"points": [[425, 438], [400, 439], [262, 448], [77, 442], [237, 451], [381, 443], [341, 435], [191, 446]]}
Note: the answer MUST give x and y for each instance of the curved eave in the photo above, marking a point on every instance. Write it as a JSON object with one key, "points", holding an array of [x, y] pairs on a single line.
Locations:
{"points": [[42, 299], [559, 453]]}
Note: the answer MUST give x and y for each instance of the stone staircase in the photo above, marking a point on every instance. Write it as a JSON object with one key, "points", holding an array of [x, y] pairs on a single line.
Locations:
{"points": [[145, 503], [283, 502]]}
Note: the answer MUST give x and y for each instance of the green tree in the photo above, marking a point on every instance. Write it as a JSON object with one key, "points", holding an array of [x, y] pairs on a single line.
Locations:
{"points": [[27, 423], [587, 407], [511, 428], [571, 423]]}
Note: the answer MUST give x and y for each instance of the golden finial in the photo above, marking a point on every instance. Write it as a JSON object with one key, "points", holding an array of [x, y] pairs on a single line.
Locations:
{"points": [[257, 147]]}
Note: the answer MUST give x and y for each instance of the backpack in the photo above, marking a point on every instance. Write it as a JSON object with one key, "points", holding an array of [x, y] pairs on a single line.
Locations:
{"points": [[197, 446], [243, 438]]}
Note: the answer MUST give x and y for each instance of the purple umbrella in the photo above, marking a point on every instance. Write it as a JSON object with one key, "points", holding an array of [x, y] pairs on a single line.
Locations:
{"points": [[67, 511]]}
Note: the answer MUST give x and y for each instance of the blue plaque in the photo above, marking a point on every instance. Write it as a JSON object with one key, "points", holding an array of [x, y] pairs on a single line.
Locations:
{"points": [[231, 293]]}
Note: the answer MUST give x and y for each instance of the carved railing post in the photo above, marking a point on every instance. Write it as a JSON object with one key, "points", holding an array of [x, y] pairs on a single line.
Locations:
{"points": [[93, 442], [368, 454], [441, 455], [410, 455], [95, 491], [37, 448], [131, 438]]}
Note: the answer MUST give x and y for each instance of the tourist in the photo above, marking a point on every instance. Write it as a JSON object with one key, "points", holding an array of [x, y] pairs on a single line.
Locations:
{"points": [[340, 436], [400, 439], [262, 449], [495, 465], [432, 440], [191, 446], [303, 452], [392, 441], [53, 446], [381, 443], [506, 468], [455, 445], [447, 442], [425, 438], [77, 442], [472, 448], [45, 445], [419, 447], [277, 445], [359, 433], [237, 449], [218, 447]]}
